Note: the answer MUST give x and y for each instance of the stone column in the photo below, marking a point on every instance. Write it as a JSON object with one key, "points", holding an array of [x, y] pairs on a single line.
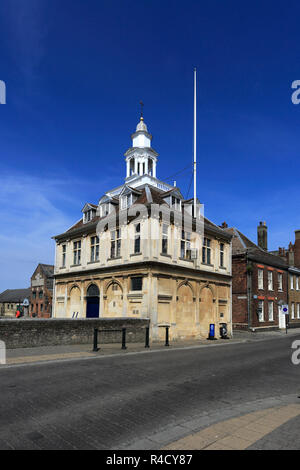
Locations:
{"points": [[66, 301], [153, 309], [125, 292], [197, 294], [154, 169], [145, 238], [82, 301], [101, 300], [84, 253]]}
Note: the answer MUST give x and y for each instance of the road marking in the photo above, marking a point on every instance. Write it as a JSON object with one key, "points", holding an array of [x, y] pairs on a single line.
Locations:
{"points": [[237, 433]]}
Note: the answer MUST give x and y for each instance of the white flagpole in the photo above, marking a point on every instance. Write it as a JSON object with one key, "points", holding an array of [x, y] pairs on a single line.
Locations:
{"points": [[195, 136]]}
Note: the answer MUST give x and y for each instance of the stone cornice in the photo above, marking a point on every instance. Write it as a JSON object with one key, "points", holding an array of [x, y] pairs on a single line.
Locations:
{"points": [[163, 269]]}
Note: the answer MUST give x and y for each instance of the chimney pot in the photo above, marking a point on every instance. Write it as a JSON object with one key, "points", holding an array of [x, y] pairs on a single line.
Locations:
{"points": [[262, 236]]}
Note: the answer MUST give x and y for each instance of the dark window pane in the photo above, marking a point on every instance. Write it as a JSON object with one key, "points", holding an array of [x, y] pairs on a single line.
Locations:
{"points": [[136, 283], [137, 245]]}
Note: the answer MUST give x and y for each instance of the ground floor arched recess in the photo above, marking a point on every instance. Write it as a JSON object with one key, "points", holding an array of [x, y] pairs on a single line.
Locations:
{"points": [[187, 306]]}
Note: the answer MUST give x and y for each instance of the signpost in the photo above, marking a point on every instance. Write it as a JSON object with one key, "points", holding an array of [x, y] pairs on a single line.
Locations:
{"points": [[285, 311]]}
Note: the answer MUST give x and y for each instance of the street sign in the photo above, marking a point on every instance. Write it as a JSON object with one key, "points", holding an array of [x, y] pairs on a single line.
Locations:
{"points": [[285, 309]]}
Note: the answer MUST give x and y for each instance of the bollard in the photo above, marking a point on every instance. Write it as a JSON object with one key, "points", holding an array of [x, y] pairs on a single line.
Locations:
{"points": [[167, 336], [124, 338], [96, 340], [147, 337]]}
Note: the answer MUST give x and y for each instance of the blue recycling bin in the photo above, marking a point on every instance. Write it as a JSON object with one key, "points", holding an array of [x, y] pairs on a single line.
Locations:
{"points": [[211, 331]]}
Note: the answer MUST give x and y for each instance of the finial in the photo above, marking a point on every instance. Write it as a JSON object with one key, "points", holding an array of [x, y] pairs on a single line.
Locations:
{"points": [[142, 104]]}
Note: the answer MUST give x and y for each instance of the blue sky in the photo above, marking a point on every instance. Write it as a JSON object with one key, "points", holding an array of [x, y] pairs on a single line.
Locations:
{"points": [[75, 72]]}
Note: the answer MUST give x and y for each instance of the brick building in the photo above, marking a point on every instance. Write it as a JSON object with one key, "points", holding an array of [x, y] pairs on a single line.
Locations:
{"points": [[259, 283], [292, 256], [12, 300], [42, 291]]}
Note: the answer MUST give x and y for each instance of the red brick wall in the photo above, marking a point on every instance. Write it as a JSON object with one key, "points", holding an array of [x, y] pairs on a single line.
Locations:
{"points": [[264, 294], [239, 293]]}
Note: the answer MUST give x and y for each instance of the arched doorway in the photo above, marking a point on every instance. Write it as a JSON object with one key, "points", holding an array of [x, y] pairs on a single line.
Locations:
{"points": [[114, 300], [92, 302], [206, 311], [75, 302], [185, 312]]}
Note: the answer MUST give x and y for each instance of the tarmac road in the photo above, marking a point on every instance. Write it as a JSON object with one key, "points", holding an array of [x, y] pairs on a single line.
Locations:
{"points": [[146, 401]]}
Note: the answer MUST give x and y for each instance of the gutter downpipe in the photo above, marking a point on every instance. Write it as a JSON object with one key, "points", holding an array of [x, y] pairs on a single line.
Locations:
{"points": [[53, 312], [249, 295]]}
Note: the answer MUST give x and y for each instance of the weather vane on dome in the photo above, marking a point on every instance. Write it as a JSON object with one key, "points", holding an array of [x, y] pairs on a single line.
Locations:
{"points": [[142, 104]]}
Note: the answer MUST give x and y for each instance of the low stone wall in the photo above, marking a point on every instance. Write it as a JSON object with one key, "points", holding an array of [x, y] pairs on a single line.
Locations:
{"points": [[27, 333]]}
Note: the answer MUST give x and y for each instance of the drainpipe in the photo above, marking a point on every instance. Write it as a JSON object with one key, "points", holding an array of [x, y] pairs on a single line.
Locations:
{"points": [[53, 309], [249, 293]]}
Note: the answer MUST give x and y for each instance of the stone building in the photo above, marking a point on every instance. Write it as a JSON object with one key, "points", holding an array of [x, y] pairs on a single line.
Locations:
{"points": [[292, 256], [148, 265], [12, 300], [42, 291], [259, 282]]}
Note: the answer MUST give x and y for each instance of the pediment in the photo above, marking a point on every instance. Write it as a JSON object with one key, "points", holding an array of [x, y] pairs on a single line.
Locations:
{"points": [[88, 207]]}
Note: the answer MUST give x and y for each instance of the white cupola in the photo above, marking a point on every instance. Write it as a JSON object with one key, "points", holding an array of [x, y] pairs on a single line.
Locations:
{"points": [[141, 159], [141, 138]]}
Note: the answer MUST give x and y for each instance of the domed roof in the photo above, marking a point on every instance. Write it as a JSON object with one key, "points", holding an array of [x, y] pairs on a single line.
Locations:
{"points": [[141, 126]]}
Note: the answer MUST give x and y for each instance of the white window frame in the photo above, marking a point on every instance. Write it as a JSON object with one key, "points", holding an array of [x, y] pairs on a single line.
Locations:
{"points": [[115, 247], [77, 252], [270, 280], [280, 281], [64, 255], [164, 238], [292, 281], [222, 255], [297, 282], [95, 248], [126, 201], [260, 277], [185, 245], [104, 209], [137, 238], [261, 311], [298, 310], [271, 310], [206, 251], [175, 203], [293, 311]]}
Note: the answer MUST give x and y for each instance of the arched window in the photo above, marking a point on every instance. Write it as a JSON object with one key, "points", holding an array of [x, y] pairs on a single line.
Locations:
{"points": [[93, 291]]}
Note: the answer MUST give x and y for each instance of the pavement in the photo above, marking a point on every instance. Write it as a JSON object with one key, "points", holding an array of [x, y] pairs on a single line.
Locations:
{"points": [[229, 394], [249, 431], [81, 351]]}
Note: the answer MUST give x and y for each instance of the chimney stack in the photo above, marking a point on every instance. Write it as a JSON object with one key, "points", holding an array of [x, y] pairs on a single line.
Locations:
{"points": [[297, 249], [262, 236]]}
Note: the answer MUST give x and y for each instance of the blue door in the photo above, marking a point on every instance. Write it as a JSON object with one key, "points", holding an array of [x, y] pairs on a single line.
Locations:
{"points": [[92, 307], [92, 302]]}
